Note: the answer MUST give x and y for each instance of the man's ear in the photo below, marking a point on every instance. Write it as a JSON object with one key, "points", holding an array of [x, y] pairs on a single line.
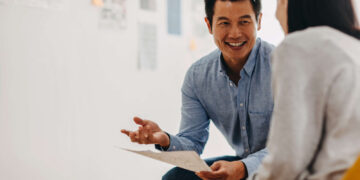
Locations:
{"points": [[259, 22], [208, 25]]}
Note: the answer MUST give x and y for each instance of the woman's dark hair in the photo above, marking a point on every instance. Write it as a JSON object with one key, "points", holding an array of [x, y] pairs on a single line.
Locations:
{"points": [[209, 8], [338, 14]]}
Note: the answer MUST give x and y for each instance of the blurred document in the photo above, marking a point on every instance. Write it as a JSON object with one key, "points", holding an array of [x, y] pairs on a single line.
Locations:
{"points": [[6, 1], [189, 160]]}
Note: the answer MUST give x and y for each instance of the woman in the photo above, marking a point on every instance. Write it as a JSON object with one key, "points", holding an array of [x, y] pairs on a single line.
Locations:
{"points": [[315, 128]]}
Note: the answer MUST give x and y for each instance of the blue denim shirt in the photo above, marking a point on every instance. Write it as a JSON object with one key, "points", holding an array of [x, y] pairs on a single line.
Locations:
{"points": [[241, 113]]}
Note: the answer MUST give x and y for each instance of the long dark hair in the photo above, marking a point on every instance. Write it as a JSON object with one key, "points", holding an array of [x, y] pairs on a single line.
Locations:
{"points": [[338, 14]]}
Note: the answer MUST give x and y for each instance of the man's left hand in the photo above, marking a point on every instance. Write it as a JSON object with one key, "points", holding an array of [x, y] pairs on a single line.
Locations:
{"points": [[224, 170]]}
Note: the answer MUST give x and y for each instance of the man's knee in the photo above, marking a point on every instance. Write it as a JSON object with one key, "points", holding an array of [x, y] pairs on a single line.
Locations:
{"points": [[179, 174]]}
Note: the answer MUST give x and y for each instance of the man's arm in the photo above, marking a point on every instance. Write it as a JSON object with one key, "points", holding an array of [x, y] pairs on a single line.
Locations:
{"points": [[194, 128]]}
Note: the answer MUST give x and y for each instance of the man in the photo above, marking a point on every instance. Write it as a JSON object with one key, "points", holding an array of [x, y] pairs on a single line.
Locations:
{"points": [[231, 87]]}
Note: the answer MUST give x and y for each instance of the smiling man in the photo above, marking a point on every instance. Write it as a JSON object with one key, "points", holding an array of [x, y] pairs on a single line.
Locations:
{"points": [[230, 87]]}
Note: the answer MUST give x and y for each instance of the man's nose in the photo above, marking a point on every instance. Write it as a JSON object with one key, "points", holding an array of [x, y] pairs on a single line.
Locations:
{"points": [[235, 32]]}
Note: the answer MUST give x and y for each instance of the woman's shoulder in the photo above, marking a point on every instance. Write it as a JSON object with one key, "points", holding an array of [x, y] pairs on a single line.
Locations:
{"points": [[323, 42]]}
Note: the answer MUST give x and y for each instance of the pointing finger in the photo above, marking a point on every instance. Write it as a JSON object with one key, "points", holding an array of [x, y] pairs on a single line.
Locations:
{"points": [[126, 132], [139, 121]]}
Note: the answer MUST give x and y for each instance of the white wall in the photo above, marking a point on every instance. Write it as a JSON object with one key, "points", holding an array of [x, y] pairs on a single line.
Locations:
{"points": [[67, 87]]}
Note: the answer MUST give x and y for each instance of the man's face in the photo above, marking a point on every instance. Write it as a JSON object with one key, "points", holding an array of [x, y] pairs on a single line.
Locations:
{"points": [[234, 28]]}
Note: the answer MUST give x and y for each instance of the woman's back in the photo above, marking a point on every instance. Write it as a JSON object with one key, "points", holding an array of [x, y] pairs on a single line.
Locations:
{"points": [[315, 128]]}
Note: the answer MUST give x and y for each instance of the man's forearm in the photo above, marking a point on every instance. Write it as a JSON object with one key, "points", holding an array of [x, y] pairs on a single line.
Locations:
{"points": [[180, 143]]}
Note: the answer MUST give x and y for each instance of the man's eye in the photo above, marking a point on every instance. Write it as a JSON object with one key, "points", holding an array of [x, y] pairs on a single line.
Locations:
{"points": [[244, 22], [224, 23]]}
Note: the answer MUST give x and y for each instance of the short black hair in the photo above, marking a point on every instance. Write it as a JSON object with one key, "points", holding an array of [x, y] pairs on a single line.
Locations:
{"points": [[338, 14], [210, 4]]}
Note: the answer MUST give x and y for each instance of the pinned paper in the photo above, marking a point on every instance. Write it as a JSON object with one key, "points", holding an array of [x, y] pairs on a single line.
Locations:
{"points": [[6, 1], [147, 51], [113, 14]]}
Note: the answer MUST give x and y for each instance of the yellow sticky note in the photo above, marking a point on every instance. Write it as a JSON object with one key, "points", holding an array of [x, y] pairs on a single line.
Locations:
{"points": [[98, 3], [193, 45]]}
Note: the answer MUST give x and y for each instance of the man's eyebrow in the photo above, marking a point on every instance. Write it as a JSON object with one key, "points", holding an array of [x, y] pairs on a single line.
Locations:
{"points": [[222, 18], [245, 16]]}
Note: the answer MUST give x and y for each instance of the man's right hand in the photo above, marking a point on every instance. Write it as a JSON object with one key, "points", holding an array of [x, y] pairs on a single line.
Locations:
{"points": [[148, 133]]}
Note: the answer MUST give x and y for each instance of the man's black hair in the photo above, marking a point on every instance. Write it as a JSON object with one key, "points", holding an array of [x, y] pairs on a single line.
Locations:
{"points": [[338, 14], [210, 4]]}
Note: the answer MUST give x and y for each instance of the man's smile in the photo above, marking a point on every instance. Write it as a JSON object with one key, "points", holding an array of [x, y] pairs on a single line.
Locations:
{"points": [[236, 44]]}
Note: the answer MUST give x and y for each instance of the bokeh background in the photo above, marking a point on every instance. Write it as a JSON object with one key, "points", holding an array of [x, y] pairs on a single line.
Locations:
{"points": [[75, 72]]}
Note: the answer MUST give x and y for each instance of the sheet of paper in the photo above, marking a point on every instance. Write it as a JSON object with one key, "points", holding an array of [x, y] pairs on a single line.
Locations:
{"points": [[189, 160], [113, 14], [46, 4], [6, 2], [147, 46]]}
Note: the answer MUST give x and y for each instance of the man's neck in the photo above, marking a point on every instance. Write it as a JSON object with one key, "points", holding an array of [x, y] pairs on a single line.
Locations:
{"points": [[233, 68]]}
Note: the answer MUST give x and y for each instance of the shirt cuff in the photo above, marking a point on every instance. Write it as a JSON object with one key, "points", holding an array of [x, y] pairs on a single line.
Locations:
{"points": [[251, 165], [172, 145]]}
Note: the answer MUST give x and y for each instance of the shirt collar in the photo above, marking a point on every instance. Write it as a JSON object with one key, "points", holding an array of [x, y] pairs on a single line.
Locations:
{"points": [[250, 63]]}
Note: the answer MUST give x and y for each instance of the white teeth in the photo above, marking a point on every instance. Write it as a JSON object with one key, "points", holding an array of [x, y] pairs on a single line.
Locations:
{"points": [[237, 44]]}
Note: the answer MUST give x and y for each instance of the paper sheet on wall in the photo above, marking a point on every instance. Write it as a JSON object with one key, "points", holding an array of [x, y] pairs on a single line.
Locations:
{"points": [[113, 14], [189, 160], [149, 5], [46, 4], [147, 46], [6, 2], [174, 17]]}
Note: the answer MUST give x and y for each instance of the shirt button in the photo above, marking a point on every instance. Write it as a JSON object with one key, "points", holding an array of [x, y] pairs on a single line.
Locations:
{"points": [[243, 127], [246, 150], [241, 104], [231, 84], [174, 147]]}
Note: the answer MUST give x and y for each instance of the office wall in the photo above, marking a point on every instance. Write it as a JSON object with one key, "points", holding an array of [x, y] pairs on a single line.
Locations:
{"points": [[68, 84]]}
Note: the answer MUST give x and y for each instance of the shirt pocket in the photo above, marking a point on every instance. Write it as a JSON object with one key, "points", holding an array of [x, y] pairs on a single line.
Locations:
{"points": [[259, 124]]}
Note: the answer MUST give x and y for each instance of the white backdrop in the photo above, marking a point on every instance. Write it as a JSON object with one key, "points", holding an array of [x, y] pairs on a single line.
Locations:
{"points": [[67, 87]]}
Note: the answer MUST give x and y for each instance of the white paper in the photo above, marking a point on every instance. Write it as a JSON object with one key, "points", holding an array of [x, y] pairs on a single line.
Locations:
{"points": [[147, 46], [189, 160], [113, 14], [33, 3], [6, 2], [46, 4]]}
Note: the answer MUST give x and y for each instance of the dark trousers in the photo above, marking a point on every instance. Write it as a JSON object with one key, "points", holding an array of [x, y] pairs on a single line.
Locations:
{"points": [[183, 174]]}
